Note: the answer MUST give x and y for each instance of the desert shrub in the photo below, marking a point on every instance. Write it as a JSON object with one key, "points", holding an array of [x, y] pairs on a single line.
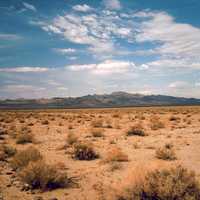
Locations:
{"points": [[40, 175], [44, 122], [136, 130], [6, 152], [70, 126], [71, 139], [83, 151], [173, 118], [116, 155], [97, 132], [2, 155], [156, 123], [166, 153], [24, 138], [98, 123], [9, 150], [22, 158], [165, 184], [116, 115]]}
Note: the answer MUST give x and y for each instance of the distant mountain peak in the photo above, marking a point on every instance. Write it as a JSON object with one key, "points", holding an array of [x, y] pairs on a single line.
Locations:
{"points": [[115, 99]]}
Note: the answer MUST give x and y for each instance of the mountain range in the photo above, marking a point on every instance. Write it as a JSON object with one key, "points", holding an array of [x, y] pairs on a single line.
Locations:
{"points": [[115, 99]]}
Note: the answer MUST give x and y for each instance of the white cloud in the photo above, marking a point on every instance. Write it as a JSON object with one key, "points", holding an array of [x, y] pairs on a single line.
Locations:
{"points": [[5, 36], [29, 6], [112, 4], [174, 44], [176, 40], [24, 69], [105, 68], [96, 31], [82, 8], [173, 63], [179, 85], [65, 51]]}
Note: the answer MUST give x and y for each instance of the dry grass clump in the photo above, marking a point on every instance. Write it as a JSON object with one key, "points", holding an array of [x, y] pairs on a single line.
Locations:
{"points": [[22, 158], [174, 118], [97, 123], [97, 132], [45, 122], [156, 123], [166, 153], [40, 175], [165, 184], [116, 155], [136, 130], [6, 152], [84, 151], [71, 138], [24, 138]]}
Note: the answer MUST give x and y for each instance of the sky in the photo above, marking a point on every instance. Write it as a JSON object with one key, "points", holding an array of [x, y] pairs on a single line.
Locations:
{"points": [[67, 48]]}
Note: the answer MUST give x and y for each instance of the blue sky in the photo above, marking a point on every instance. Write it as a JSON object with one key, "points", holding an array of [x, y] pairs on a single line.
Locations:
{"points": [[73, 48]]}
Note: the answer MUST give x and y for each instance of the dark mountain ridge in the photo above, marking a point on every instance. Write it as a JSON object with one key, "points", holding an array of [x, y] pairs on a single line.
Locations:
{"points": [[115, 99]]}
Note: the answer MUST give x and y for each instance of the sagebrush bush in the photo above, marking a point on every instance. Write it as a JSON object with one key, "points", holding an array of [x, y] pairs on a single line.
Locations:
{"points": [[165, 184], [116, 155], [97, 123], [166, 153], [83, 151], [6, 152], [71, 138], [156, 124], [136, 130], [40, 175], [24, 138], [97, 132], [22, 158]]}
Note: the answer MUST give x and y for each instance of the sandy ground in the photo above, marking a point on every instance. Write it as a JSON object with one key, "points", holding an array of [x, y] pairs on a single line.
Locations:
{"points": [[96, 179]]}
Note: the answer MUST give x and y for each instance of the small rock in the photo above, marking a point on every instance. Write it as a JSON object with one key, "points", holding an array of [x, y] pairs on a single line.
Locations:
{"points": [[25, 187]]}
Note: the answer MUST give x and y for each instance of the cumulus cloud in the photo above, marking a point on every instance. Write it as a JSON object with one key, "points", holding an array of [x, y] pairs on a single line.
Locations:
{"points": [[106, 67], [24, 69], [82, 8], [112, 4], [29, 6]]}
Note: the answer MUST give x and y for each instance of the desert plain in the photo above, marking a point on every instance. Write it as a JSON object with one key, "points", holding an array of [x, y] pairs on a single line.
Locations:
{"points": [[93, 154]]}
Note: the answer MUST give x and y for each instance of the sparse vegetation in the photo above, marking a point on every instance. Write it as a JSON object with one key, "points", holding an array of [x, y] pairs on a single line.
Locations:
{"points": [[136, 130], [166, 153], [71, 138], [40, 175], [97, 123], [116, 155], [56, 152], [97, 132], [23, 157], [83, 151], [165, 184], [24, 138]]}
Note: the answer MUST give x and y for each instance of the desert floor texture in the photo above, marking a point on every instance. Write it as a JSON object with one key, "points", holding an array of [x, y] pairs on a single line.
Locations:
{"points": [[125, 142]]}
